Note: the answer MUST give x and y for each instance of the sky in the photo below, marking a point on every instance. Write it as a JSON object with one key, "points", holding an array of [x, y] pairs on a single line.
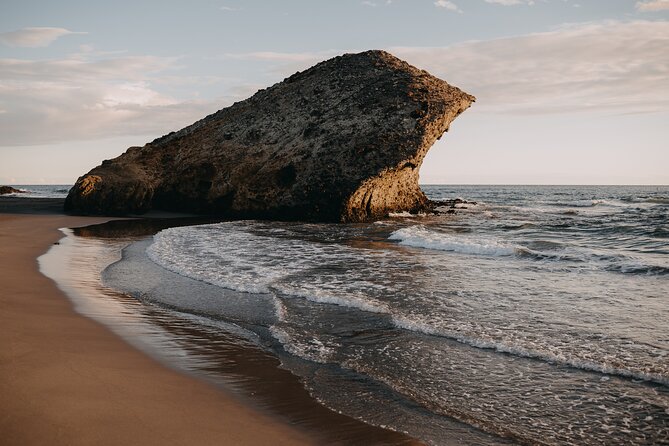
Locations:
{"points": [[568, 91]]}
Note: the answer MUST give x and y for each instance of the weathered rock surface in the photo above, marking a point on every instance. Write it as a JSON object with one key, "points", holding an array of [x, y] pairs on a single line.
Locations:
{"points": [[341, 141], [4, 190]]}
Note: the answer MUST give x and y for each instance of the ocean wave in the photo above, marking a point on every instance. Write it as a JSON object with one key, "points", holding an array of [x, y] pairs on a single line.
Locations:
{"points": [[651, 200], [176, 250], [660, 232], [420, 237], [625, 202], [595, 202], [406, 214], [320, 296], [519, 226], [657, 200], [540, 250], [312, 350], [409, 324], [167, 250], [638, 268]]}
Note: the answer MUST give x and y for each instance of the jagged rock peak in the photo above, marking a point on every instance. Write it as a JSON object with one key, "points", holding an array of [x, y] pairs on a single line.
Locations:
{"points": [[341, 141]]}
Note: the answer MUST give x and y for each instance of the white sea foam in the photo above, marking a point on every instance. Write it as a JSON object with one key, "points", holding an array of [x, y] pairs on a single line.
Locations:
{"points": [[251, 263], [183, 252], [323, 296], [405, 214], [418, 326], [588, 203], [313, 350], [420, 237], [256, 257]]}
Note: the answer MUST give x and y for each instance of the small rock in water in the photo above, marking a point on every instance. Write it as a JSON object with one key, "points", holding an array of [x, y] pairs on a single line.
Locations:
{"points": [[4, 190]]}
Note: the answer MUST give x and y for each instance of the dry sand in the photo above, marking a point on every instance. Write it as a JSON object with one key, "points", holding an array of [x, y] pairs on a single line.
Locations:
{"points": [[65, 379]]}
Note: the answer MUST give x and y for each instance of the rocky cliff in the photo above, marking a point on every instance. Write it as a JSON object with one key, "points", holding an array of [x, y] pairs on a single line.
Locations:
{"points": [[341, 141]]}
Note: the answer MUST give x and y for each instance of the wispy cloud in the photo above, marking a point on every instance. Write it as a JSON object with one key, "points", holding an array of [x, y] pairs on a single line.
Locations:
{"points": [[276, 56], [49, 101], [577, 67], [276, 66], [653, 5], [229, 8], [446, 4], [619, 67], [511, 2], [34, 37]]}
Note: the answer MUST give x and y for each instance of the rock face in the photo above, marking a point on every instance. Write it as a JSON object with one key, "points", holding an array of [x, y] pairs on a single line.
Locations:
{"points": [[4, 190], [341, 141]]}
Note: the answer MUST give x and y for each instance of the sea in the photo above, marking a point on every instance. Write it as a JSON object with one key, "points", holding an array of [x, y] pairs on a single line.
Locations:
{"points": [[41, 190], [518, 315]]}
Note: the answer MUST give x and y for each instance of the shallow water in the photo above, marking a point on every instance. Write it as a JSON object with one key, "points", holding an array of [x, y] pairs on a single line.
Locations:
{"points": [[214, 350], [538, 314]]}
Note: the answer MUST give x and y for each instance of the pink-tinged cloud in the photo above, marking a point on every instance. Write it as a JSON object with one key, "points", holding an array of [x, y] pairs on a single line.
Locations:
{"points": [[34, 37], [50, 101], [617, 67], [653, 5]]}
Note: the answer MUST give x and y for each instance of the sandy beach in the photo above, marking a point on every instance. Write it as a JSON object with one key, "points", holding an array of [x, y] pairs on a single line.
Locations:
{"points": [[360, 223], [65, 379]]}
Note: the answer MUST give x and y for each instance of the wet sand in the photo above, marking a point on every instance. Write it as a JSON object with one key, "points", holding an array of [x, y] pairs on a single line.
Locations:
{"points": [[65, 379]]}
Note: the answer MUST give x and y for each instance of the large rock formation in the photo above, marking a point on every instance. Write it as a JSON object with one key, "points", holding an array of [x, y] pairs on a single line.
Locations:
{"points": [[341, 141]]}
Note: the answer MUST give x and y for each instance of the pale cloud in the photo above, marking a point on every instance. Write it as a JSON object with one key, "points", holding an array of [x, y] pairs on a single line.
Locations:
{"points": [[447, 5], [619, 67], [275, 56], [368, 3], [279, 65], [50, 101], [229, 8], [78, 68], [34, 37], [511, 2], [653, 5], [616, 67]]}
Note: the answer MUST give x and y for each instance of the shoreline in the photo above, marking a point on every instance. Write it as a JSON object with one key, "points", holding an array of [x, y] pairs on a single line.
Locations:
{"points": [[67, 379], [214, 351]]}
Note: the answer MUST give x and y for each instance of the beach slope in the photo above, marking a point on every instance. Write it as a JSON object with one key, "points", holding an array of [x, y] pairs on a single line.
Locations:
{"points": [[64, 379]]}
